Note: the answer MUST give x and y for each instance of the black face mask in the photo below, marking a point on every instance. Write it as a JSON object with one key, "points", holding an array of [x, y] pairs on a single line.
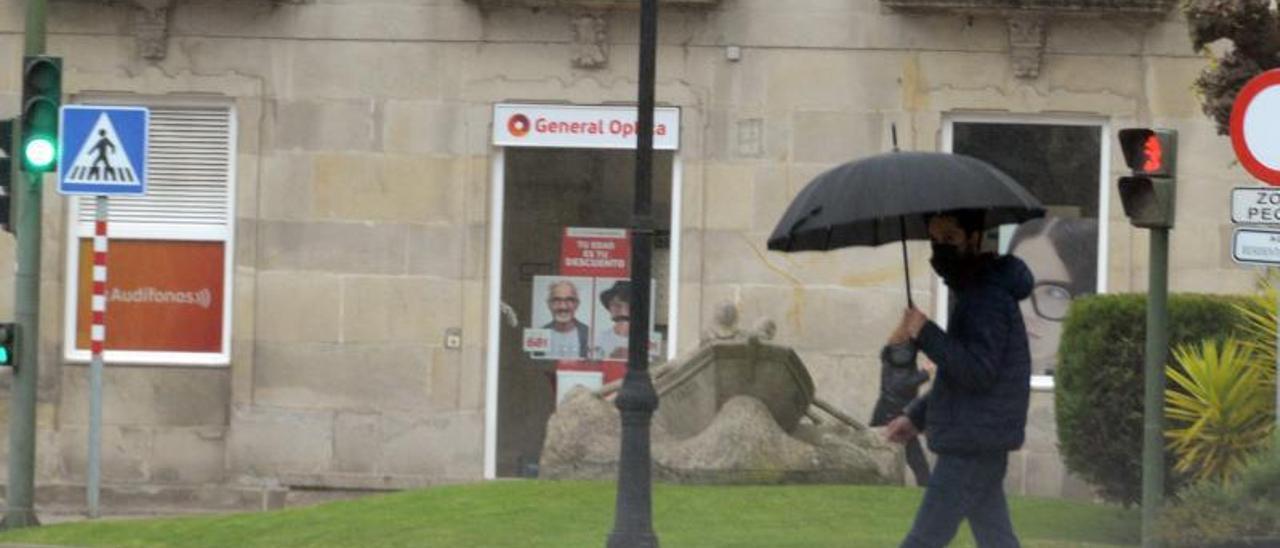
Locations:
{"points": [[950, 263]]}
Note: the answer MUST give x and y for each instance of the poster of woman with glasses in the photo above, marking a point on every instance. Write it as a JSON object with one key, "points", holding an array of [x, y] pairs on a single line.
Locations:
{"points": [[1062, 253]]}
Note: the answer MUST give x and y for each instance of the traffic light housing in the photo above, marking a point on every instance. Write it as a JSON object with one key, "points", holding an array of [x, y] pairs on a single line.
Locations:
{"points": [[8, 341], [7, 215], [1149, 194], [41, 97]]}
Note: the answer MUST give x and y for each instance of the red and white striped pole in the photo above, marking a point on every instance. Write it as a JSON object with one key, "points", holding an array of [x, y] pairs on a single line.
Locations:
{"points": [[98, 333], [97, 342]]}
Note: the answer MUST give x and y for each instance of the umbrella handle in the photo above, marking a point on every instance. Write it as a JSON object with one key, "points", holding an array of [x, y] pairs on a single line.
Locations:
{"points": [[902, 224], [906, 265]]}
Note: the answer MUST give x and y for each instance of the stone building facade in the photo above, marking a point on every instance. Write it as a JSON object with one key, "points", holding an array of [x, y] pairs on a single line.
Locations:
{"points": [[371, 221]]}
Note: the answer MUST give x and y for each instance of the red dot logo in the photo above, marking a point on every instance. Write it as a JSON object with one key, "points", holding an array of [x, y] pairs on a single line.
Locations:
{"points": [[518, 125]]}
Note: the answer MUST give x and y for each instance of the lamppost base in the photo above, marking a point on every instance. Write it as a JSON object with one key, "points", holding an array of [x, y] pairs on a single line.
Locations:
{"points": [[632, 540], [18, 519]]}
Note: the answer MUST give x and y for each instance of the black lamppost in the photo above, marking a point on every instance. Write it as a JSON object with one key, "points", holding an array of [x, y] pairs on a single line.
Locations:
{"points": [[636, 401]]}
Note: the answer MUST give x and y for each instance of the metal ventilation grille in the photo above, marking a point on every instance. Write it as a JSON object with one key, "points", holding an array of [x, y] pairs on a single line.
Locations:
{"points": [[188, 173]]}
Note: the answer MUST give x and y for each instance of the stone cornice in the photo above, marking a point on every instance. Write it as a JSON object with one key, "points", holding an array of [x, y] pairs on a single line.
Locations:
{"points": [[1028, 20], [1061, 7], [589, 4], [151, 23]]}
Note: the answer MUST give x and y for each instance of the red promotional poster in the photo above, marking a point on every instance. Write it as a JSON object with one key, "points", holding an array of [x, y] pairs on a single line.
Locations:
{"points": [[581, 317], [595, 252]]}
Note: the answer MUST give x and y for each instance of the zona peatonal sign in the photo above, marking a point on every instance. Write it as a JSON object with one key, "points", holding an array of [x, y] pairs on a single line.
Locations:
{"points": [[1258, 205], [579, 126]]}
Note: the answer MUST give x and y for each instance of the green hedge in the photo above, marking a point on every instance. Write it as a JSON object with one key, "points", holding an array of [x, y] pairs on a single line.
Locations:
{"points": [[1245, 512], [1099, 383]]}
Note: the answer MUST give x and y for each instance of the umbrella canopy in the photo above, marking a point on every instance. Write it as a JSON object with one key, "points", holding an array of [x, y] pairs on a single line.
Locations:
{"points": [[875, 200]]}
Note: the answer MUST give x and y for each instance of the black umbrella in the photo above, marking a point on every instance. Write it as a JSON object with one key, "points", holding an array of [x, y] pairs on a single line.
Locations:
{"points": [[888, 197]]}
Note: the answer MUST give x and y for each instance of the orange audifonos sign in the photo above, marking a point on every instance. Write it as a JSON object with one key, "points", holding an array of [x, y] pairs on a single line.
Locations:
{"points": [[162, 295]]}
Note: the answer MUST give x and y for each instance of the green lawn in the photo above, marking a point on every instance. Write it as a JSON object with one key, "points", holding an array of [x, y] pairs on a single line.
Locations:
{"points": [[569, 514]]}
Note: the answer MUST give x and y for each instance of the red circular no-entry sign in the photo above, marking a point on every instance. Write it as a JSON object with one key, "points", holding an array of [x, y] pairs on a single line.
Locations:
{"points": [[1255, 127]]}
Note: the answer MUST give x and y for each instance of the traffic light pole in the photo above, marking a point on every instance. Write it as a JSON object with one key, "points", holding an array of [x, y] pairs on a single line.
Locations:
{"points": [[1153, 408], [20, 489], [1149, 196], [22, 407]]}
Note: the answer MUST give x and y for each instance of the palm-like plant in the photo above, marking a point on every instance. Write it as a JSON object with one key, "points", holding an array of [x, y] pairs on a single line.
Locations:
{"points": [[1260, 328], [1221, 405]]}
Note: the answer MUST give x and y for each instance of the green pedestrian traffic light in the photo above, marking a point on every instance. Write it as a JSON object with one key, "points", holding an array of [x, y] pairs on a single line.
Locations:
{"points": [[8, 338], [39, 153], [41, 97]]}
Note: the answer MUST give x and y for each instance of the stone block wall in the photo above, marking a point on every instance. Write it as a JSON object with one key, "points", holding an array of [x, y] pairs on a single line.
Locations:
{"points": [[363, 190]]}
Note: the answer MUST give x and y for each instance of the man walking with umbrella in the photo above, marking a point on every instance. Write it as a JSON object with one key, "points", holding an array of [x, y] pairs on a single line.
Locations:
{"points": [[976, 411]]}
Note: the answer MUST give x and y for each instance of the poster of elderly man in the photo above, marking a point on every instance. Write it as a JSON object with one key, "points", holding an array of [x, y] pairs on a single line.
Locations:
{"points": [[561, 326]]}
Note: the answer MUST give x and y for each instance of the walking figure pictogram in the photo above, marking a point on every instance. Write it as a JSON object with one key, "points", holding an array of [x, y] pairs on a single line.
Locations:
{"points": [[102, 148]]}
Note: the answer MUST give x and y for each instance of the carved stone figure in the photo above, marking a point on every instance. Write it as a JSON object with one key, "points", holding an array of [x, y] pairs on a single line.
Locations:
{"points": [[1026, 44], [724, 326], [590, 40], [764, 329], [151, 27]]}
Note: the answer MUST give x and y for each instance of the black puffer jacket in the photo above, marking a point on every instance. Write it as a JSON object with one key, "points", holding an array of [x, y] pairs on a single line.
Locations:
{"points": [[979, 398]]}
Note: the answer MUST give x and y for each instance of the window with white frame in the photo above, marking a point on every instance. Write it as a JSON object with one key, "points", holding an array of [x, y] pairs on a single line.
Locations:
{"points": [[170, 251], [1063, 162]]}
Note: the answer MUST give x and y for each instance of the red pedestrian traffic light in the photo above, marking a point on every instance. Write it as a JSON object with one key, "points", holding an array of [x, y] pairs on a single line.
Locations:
{"points": [[1148, 194], [1150, 151], [1154, 154]]}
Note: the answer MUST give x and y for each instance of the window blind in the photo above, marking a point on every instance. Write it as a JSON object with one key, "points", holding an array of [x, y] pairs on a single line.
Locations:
{"points": [[188, 173]]}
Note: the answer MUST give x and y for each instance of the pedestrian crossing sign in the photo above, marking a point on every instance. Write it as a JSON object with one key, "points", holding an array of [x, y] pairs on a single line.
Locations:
{"points": [[103, 150]]}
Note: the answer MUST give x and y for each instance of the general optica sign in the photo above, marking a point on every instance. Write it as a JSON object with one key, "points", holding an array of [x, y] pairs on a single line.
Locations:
{"points": [[164, 296], [571, 126]]}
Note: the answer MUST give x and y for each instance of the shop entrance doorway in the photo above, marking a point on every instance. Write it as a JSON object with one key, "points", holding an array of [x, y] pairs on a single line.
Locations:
{"points": [[560, 276]]}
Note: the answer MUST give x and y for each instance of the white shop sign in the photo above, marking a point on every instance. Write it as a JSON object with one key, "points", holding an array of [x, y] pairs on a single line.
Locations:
{"points": [[573, 126]]}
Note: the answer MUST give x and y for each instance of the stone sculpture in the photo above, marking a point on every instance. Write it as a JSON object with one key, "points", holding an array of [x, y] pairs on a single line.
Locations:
{"points": [[724, 325], [739, 409]]}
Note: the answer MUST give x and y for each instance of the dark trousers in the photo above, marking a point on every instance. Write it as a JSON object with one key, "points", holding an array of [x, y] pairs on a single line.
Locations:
{"points": [[964, 487], [917, 462]]}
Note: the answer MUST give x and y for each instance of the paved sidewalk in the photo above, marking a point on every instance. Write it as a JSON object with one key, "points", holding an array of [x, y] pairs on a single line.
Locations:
{"points": [[3, 545], [54, 518]]}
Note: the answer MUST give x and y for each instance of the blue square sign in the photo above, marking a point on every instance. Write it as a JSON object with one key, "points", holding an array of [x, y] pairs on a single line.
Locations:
{"points": [[102, 151]]}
